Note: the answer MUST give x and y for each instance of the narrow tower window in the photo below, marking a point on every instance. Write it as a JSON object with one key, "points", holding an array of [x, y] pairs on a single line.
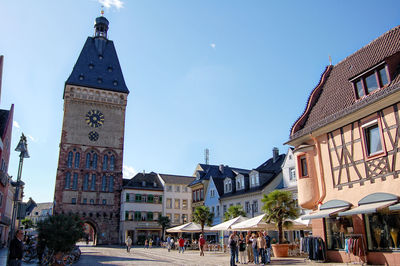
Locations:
{"points": [[69, 160]]}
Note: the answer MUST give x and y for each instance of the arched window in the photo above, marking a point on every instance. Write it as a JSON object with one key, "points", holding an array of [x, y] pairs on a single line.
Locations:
{"points": [[104, 183], [111, 184], [86, 182], [68, 180], [88, 161], [75, 182], [93, 183], [105, 162], [77, 158], [112, 163], [95, 161], [69, 161]]}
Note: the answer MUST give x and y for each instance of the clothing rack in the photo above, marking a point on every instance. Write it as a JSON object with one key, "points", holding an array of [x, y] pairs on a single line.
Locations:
{"points": [[363, 246]]}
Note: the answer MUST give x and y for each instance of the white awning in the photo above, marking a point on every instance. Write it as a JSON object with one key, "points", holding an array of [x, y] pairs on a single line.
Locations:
{"points": [[395, 207], [368, 208], [324, 213], [228, 224]]}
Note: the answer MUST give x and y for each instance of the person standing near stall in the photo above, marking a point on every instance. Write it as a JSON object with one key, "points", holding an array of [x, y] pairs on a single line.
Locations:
{"points": [[202, 242]]}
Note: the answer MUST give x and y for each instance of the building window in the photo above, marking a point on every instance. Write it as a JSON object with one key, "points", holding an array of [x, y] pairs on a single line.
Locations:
{"points": [[88, 157], [111, 184], [255, 206], [177, 204], [217, 210], [372, 138], [169, 216], [92, 201], [169, 204], [150, 198], [247, 206], [160, 199], [149, 216], [336, 229], [84, 201], [185, 189], [371, 81], [77, 159], [212, 193], [176, 218], [224, 210], [184, 204], [382, 231], [105, 162], [138, 216], [73, 200], [86, 182], [75, 181], [104, 202], [213, 209], [177, 188], [103, 183], [93, 184], [69, 159], [254, 180], [184, 218], [303, 166], [67, 181], [239, 183], [127, 198], [169, 188], [201, 194], [112, 163], [94, 161], [292, 174], [228, 185], [138, 198]]}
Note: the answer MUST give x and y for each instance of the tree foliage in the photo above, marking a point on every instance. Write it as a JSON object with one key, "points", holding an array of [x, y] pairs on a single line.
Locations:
{"points": [[203, 216], [280, 206], [60, 232], [233, 212], [164, 222], [27, 223]]}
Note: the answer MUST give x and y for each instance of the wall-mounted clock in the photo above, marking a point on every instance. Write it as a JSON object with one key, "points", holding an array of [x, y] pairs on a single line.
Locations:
{"points": [[94, 118]]}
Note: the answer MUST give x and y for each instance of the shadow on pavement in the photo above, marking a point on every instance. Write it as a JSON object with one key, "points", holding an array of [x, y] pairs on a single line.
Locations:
{"points": [[99, 258]]}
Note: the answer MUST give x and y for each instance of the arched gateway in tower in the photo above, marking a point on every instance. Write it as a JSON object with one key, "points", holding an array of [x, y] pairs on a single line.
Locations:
{"points": [[89, 173]]}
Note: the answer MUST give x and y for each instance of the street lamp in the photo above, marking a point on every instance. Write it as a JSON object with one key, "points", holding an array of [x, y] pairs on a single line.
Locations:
{"points": [[22, 147]]}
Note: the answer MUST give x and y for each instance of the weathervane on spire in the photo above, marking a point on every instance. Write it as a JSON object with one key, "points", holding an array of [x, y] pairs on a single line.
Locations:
{"points": [[102, 10]]}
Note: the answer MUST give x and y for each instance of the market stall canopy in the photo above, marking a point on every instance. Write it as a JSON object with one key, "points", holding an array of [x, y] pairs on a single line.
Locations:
{"points": [[228, 224], [372, 203], [395, 207], [299, 224], [187, 228], [328, 209], [256, 223]]}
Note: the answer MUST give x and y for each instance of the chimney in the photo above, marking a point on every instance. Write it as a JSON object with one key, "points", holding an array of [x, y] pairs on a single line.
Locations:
{"points": [[275, 154], [221, 168]]}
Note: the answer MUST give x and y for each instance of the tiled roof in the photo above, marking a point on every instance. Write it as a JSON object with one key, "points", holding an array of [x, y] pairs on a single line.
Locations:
{"points": [[336, 98], [98, 67], [151, 182], [177, 179], [41, 206], [214, 171]]}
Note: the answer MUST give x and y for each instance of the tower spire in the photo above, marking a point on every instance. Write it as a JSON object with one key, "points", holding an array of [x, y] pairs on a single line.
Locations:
{"points": [[101, 25]]}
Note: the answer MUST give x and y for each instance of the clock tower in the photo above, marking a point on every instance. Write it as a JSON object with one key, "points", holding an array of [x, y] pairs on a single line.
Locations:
{"points": [[89, 173]]}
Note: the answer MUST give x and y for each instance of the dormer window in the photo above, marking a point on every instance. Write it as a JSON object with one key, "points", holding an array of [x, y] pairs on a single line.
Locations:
{"points": [[370, 81], [197, 175], [239, 182], [228, 185], [254, 179]]}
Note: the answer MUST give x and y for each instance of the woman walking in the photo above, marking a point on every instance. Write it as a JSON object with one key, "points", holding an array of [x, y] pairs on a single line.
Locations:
{"points": [[255, 247], [242, 250]]}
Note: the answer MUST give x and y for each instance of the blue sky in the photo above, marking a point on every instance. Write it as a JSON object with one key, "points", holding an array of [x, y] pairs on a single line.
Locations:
{"points": [[231, 76]]}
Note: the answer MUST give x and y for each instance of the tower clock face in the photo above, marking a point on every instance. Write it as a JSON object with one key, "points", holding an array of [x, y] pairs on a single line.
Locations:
{"points": [[94, 118]]}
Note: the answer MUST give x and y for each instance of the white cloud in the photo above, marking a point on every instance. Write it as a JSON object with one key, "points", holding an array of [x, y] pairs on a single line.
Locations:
{"points": [[213, 45], [32, 138], [112, 3], [128, 171], [15, 124]]}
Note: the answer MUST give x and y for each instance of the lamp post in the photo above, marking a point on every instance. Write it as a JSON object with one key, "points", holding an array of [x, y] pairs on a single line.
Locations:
{"points": [[22, 147]]}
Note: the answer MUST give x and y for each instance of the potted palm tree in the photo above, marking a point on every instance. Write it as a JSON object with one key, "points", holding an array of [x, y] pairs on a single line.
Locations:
{"points": [[203, 216], [280, 207]]}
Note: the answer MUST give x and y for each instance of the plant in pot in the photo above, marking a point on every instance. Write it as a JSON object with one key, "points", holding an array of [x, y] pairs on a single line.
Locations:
{"points": [[280, 207]]}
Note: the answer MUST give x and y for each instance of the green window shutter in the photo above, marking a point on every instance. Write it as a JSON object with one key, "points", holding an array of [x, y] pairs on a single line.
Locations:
{"points": [[160, 199], [150, 198], [127, 196], [138, 216], [138, 198], [126, 215], [150, 216]]}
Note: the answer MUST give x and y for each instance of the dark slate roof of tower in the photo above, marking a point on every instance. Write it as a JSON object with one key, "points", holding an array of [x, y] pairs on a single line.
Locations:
{"points": [[98, 67]]}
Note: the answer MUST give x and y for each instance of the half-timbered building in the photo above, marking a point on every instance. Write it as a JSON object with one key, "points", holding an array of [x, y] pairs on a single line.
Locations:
{"points": [[347, 153]]}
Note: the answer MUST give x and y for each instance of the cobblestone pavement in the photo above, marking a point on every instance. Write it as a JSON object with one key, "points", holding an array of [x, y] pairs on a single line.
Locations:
{"points": [[116, 255]]}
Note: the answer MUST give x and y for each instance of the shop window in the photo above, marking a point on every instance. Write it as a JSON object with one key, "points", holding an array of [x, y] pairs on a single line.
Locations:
{"points": [[336, 229], [382, 231]]}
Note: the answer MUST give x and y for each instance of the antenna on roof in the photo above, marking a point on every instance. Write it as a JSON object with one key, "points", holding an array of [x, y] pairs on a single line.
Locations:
{"points": [[207, 155], [330, 60]]}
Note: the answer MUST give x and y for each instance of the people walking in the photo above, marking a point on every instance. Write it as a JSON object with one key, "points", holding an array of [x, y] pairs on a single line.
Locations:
{"points": [[181, 243], [249, 248], [16, 249], [202, 243], [237, 248], [261, 246], [233, 247], [146, 243], [128, 243], [169, 243], [255, 248], [267, 247], [151, 242], [242, 249]]}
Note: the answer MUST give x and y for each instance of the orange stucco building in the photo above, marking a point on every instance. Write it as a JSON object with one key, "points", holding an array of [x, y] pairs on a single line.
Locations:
{"points": [[347, 149]]}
